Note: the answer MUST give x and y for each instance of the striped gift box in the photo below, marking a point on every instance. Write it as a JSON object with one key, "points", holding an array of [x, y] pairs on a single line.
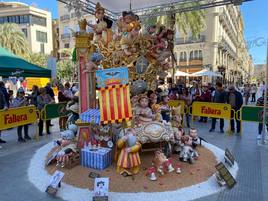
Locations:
{"points": [[99, 159], [91, 116]]}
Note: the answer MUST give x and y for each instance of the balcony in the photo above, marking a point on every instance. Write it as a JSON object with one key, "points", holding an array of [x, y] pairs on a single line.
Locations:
{"points": [[65, 36], [189, 40], [196, 62], [64, 17], [224, 45]]}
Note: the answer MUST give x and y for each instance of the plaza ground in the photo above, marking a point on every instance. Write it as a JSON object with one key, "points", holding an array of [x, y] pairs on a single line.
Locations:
{"points": [[252, 158]]}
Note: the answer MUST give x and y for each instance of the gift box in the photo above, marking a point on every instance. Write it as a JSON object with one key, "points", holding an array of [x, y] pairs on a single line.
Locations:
{"points": [[99, 158], [91, 116]]}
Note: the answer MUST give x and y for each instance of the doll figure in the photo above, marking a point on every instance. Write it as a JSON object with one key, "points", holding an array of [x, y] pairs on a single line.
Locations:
{"points": [[93, 63], [161, 162], [124, 23], [143, 112], [156, 109], [68, 147], [178, 133], [103, 25], [187, 153], [153, 99], [129, 160], [176, 116], [128, 41], [194, 136]]}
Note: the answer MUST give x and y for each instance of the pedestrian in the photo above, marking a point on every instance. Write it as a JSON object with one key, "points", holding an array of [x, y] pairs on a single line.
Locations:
{"points": [[219, 97], [34, 95], [246, 93], [3, 106], [260, 102], [254, 90], [10, 96], [21, 101], [42, 100], [67, 91], [195, 91], [50, 91], [187, 98], [62, 98], [73, 106], [205, 97], [4, 91], [235, 99]]}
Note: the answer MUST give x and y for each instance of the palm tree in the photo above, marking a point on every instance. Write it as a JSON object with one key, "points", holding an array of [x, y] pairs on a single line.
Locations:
{"points": [[13, 39]]}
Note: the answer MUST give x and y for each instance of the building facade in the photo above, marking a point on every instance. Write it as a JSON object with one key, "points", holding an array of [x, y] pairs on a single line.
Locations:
{"points": [[220, 47], [35, 23], [68, 23]]}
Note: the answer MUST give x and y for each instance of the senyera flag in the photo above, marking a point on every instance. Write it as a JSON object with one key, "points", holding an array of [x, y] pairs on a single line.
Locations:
{"points": [[115, 105]]}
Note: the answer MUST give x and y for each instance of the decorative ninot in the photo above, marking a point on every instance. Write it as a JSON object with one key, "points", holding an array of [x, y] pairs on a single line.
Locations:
{"points": [[161, 162]]}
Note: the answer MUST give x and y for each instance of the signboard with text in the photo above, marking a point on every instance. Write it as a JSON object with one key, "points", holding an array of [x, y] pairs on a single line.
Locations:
{"points": [[15, 117], [215, 110]]}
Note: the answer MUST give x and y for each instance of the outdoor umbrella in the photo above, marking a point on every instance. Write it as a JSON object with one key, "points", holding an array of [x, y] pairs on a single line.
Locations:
{"points": [[181, 73], [207, 73], [14, 66]]}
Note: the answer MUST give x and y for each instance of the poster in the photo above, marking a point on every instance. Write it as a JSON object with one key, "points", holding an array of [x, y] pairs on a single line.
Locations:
{"points": [[101, 187]]}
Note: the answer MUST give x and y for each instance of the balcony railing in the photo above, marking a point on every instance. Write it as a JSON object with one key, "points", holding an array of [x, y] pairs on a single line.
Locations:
{"points": [[65, 36], [201, 39], [223, 44], [64, 17]]}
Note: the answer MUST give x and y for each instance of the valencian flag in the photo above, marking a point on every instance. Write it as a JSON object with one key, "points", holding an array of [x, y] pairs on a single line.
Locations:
{"points": [[115, 104]]}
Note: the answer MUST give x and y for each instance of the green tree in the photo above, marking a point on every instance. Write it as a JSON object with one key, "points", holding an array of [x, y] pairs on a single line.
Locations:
{"points": [[13, 39], [38, 59], [65, 70]]}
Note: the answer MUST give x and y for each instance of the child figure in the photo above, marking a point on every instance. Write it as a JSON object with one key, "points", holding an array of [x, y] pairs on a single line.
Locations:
{"points": [[187, 153]]}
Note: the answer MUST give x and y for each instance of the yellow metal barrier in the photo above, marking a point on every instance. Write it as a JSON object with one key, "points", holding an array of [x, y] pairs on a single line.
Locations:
{"points": [[176, 103]]}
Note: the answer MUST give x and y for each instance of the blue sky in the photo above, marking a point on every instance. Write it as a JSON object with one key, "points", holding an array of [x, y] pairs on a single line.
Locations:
{"points": [[255, 22]]}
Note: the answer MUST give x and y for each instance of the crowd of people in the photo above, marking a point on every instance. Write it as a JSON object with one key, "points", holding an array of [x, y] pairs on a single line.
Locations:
{"points": [[39, 97], [217, 93]]}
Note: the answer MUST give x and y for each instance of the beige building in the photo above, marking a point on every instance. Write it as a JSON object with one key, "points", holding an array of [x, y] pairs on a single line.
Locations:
{"points": [[35, 23], [68, 23], [220, 47]]}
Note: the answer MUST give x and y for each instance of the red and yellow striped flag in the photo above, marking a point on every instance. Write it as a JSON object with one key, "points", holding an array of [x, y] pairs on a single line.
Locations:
{"points": [[115, 104]]}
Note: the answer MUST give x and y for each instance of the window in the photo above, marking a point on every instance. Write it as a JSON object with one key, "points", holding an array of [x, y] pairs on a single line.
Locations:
{"points": [[183, 56], [25, 32], [191, 55], [66, 29], [24, 19], [66, 45], [18, 19], [38, 20], [41, 36], [42, 48]]}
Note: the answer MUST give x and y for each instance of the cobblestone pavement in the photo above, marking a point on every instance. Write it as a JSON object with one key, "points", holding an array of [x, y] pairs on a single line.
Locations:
{"points": [[252, 178]]}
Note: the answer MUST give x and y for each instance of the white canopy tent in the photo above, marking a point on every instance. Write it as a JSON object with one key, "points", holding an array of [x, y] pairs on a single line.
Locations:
{"points": [[181, 73], [206, 72]]}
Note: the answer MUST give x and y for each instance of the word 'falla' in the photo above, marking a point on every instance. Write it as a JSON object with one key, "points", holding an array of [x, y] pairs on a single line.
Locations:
{"points": [[208, 110], [9, 119]]}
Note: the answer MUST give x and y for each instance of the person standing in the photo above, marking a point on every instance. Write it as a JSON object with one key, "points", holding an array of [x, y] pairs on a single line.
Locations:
{"points": [[254, 90], [67, 91], [205, 97], [235, 99], [219, 97], [34, 95], [246, 93], [3, 106], [50, 91], [187, 98], [260, 102], [21, 101], [4, 91], [62, 98], [42, 100]]}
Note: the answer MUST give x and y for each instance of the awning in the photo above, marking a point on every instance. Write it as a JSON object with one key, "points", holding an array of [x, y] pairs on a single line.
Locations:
{"points": [[14, 66], [181, 73], [207, 73]]}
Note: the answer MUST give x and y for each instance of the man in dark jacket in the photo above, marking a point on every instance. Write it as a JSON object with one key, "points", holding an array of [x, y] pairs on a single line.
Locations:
{"points": [[219, 97], [4, 91], [235, 99], [49, 91], [3, 106]]}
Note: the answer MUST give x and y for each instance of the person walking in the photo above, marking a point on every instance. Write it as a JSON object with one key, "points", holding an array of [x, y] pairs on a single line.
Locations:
{"points": [[21, 101], [3, 106], [254, 90], [235, 99], [219, 97], [42, 100]]}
